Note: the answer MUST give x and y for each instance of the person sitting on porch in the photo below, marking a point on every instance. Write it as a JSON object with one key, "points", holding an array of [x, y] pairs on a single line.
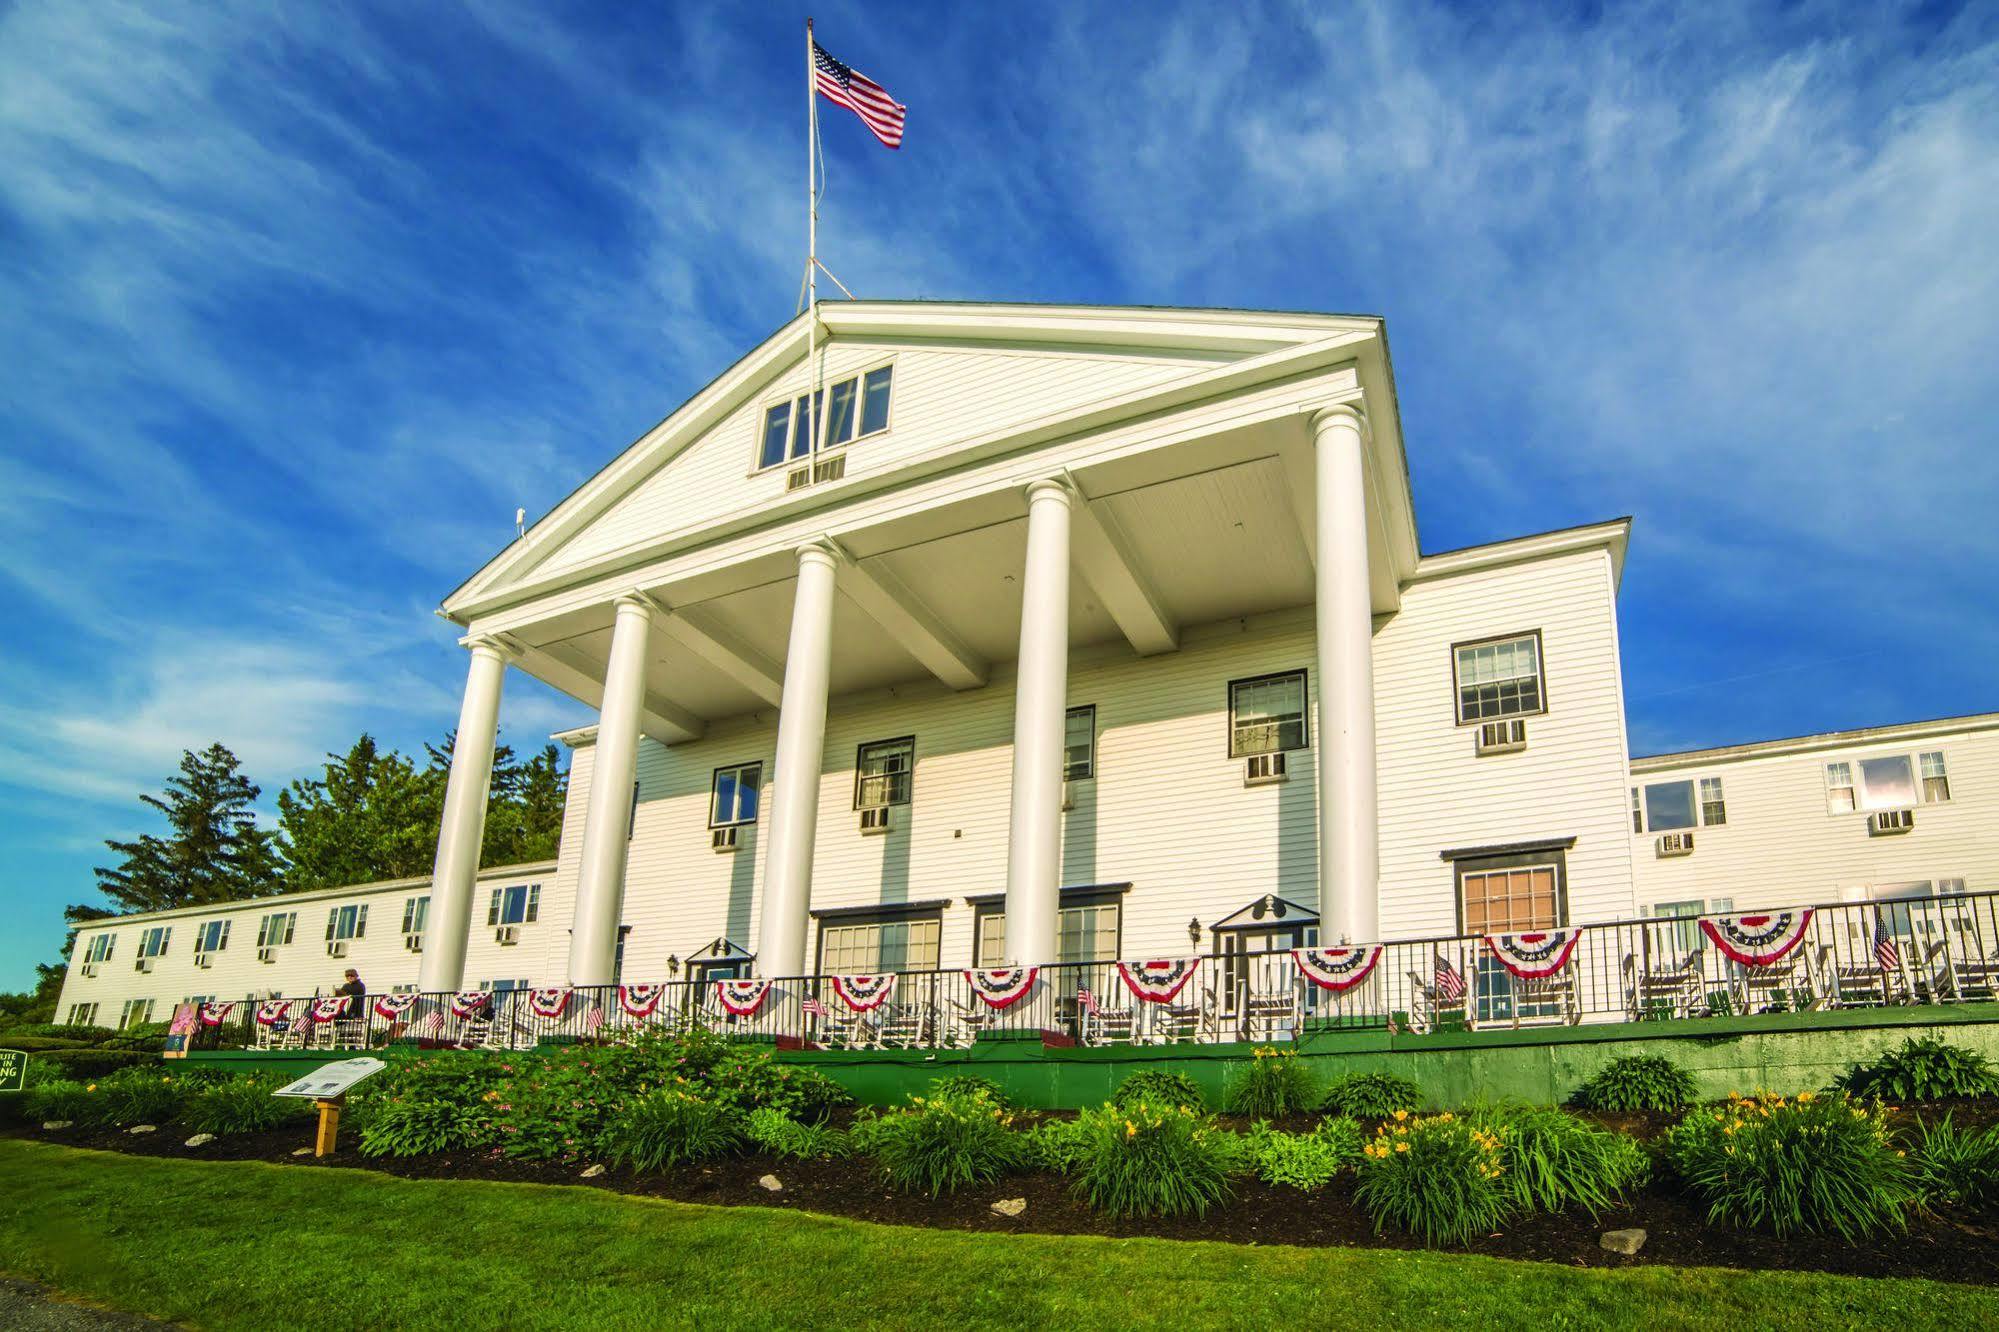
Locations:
{"points": [[356, 993]]}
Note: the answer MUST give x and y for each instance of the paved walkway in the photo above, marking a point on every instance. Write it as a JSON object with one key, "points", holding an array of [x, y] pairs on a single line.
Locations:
{"points": [[27, 1307]]}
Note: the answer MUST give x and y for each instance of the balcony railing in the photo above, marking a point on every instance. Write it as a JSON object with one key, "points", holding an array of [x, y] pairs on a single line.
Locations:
{"points": [[1849, 955]]}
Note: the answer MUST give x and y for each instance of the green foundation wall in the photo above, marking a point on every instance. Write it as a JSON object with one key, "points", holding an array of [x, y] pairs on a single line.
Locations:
{"points": [[1785, 1053]]}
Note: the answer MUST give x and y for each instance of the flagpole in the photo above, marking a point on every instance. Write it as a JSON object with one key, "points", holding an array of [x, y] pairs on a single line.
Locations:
{"points": [[811, 247]]}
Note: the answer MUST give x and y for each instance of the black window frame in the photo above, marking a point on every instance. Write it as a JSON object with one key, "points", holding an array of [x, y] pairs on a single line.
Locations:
{"points": [[1522, 855], [985, 908], [1540, 675], [715, 776], [909, 778], [883, 914], [1304, 675]]}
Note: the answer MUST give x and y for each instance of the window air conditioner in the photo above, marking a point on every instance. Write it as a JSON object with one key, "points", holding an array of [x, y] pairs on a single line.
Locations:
{"points": [[875, 820], [413, 942], [1503, 737], [723, 839], [267, 954], [1676, 844], [1068, 796], [204, 960], [1259, 769], [507, 934], [1890, 821], [336, 948], [90, 968], [143, 964]]}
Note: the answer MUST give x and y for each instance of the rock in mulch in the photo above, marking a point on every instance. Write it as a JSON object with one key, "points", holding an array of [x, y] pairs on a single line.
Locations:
{"points": [[53, 1125], [144, 1128], [771, 1184], [200, 1140], [593, 1172], [303, 1151], [1623, 1241], [1010, 1206]]}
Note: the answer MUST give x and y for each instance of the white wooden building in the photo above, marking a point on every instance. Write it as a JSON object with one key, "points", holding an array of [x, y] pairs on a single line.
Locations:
{"points": [[1066, 633]]}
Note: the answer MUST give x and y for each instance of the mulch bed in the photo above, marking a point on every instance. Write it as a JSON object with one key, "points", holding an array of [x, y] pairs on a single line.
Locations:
{"points": [[1943, 1247]]}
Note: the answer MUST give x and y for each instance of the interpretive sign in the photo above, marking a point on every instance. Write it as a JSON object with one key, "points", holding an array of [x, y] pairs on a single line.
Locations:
{"points": [[13, 1070], [331, 1080]]}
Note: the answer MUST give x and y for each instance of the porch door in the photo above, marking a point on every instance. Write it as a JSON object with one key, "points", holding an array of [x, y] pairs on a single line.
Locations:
{"points": [[1244, 973]]}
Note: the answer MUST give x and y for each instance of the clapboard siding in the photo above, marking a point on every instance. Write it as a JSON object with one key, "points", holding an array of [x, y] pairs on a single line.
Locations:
{"points": [[939, 398], [1781, 847]]}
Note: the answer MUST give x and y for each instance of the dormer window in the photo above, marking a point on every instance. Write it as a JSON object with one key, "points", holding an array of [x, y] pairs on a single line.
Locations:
{"points": [[855, 408]]}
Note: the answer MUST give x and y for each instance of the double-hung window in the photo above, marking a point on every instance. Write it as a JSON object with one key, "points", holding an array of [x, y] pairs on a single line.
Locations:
{"points": [[153, 942], [211, 936], [1936, 781], [519, 904], [1499, 678], [1714, 810], [276, 929], [137, 1012], [1079, 744], [733, 800], [100, 948], [854, 408], [83, 1015], [1839, 798], [1267, 714], [883, 773], [416, 914], [345, 923]]}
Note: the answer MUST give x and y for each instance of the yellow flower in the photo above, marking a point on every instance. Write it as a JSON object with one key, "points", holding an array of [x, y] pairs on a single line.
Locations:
{"points": [[1804, 1098], [1401, 1146], [1401, 1115], [91, 1087], [1130, 1129]]}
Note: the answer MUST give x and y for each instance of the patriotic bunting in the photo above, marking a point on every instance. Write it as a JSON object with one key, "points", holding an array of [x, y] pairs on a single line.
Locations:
{"points": [[393, 1006], [640, 1000], [327, 1010], [471, 1003], [1002, 987], [1535, 954], [1337, 969], [552, 1002], [214, 1015], [1156, 982], [862, 993], [273, 1011], [1759, 939], [742, 997]]}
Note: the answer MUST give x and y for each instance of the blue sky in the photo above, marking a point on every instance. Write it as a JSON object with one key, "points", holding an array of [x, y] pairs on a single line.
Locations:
{"points": [[298, 302]]}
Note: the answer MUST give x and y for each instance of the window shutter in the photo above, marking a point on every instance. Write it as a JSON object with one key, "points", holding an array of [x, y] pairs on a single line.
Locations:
{"points": [[361, 921]]}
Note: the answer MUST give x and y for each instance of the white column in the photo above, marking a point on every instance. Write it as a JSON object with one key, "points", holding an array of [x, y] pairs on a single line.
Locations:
{"points": [[801, 738], [1349, 850], [1034, 835], [600, 884], [463, 828]]}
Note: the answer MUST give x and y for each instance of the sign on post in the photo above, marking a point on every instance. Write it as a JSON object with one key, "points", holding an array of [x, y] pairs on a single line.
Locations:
{"points": [[13, 1070], [331, 1080]]}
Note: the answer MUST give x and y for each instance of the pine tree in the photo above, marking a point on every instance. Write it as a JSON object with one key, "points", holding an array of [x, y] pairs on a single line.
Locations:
{"points": [[213, 850], [524, 821], [372, 814]]}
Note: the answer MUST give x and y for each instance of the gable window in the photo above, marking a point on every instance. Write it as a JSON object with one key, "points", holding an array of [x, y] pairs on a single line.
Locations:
{"points": [[1267, 714], [346, 922], [416, 914], [1887, 783], [1499, 678], [136, 1012], [1936, 782], [854, 408], [1079, 744], [276, 929], [211, 936], [733, 800], [83, 1015], [519, 904], [153, 942], [865, 947], [100, 948], [883, 773], [1714, 810], [1839, 788]]}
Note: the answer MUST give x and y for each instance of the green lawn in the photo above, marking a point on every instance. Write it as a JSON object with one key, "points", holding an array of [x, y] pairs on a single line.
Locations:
{"points": [[245, 1245]]}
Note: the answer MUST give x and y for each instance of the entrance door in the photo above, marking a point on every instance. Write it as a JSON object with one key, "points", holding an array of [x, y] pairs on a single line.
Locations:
{"points": [[1245, 973]]}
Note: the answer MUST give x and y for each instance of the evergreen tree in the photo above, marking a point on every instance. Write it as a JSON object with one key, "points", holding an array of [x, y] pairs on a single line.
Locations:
{"points": [[524, 821], [213, 850], [372, 814]]}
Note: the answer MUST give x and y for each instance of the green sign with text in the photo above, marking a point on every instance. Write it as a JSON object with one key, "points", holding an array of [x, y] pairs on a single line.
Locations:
{"points": [[13, 1070]]}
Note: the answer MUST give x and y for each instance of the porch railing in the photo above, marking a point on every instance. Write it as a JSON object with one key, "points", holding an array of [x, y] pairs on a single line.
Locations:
{"points": [[1853, 954]]}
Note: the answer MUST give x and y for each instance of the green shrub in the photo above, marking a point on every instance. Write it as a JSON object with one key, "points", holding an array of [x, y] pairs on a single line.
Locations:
{"points": [[780, 1135], [239, 1105], [937, 1145], [138, 1096], [1552, 1159], [1303, 1160], [57, 1101], [422, 1126], [1370, 1095], [86, 1065], [1056, 1145], [969, 1084], [1957, 1166], [1921, 1069], [754, 1080], [671, 1127], [1273, 1084], [1160, 1086], [1142, 1159], [1441, 1178], [1804, 1164], [1638, 1082]]}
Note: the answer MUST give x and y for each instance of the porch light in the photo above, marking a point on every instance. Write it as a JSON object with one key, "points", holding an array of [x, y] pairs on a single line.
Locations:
{"points": [[1194, 933]]}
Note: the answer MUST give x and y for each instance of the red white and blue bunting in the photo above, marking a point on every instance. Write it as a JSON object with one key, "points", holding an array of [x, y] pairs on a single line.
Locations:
{"points": [[742, 997], [1535, 954], [393, 1006], [214, 1015], [1337, 969], [471, 1003], [863, 993], [1158, 981], [640, 1000], [327, 1010], [1758, 939], [273, 1011], [1002, 987], [552, 1002]]}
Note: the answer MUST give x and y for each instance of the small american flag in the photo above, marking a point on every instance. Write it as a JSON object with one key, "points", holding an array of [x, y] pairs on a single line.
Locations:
{"points": [[593, 1021], [1085, 1000], [847, 86], [814, 1008], [1887, 955], [1450, 985]]}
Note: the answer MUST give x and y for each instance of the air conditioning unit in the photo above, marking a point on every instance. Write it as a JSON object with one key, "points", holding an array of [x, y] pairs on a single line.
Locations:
{"points": [[204, 960], [723, 839], [1503, 737], [267, 954], [413, 942], [1883, 821], [1262, 769], [1068, 796], [1676, 844], [143, 964], [336, 948], [875, 820], [507, 934], [90, 968]]}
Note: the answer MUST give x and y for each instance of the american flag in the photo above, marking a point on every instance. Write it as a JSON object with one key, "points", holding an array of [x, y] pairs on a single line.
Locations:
{"points": [[1085, 1000], [1450, 985], [814, 1008], [1887, 955], [593, 1021], [860, 94]]}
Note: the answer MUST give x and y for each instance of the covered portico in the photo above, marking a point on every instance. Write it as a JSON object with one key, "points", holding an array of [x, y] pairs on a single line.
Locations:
{"points": [[1272, 480]]}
